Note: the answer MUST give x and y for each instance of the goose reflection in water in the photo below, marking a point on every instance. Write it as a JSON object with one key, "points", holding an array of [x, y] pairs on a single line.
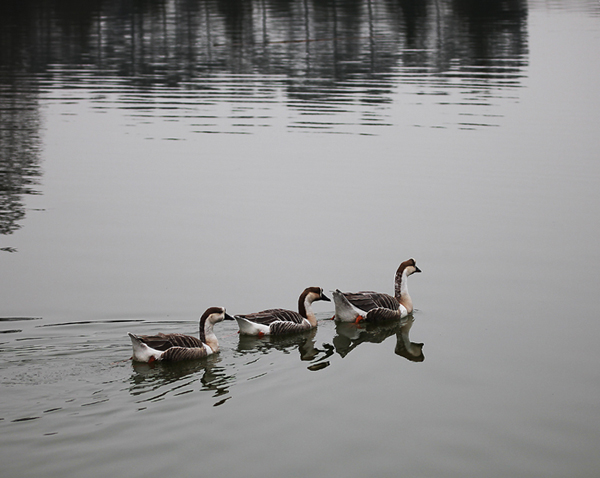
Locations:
{"points": [[283, 343], [412, 351], [349, 336], [157, 380], [304, 342]]}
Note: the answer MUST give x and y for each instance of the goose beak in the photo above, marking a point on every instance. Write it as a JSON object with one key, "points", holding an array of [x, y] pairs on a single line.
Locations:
{"points": [[324, 297], [228, 317], [417, 269]]}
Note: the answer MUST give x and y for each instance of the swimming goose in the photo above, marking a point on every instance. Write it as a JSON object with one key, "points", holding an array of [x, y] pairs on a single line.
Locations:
{"points": [[282, 321], [178, 347], [375, 306]]}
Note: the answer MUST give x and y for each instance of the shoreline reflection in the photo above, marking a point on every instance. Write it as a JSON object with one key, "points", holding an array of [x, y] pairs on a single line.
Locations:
{"points": [[20, 147], [337, 67]]}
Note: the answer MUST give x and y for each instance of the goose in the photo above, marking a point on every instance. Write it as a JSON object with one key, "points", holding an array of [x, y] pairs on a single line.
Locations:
{"points": [[375, 306], [282, 321], [178, 347]]}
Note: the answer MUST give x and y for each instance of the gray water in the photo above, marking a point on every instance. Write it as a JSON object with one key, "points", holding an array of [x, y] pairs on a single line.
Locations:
{"points": [[159, 158]]}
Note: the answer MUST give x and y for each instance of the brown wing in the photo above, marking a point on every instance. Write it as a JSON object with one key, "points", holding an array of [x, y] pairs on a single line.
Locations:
{"points": [[166, 341], [267, 317], [288, 327], [368, 300], [381, 314], [178, 354]]}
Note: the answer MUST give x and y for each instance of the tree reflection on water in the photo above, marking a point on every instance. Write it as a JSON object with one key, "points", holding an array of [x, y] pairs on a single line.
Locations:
{"points": [[325, 55], [172, 40], [19, 156]]}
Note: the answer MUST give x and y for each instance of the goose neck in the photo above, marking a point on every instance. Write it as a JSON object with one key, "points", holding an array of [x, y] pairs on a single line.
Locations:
{"points": [[401, 290], [305, 310], [209, 337]]}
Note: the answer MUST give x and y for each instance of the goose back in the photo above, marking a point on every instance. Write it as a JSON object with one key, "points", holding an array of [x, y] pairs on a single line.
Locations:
{"points": [[368, 300], [164, 342], [270, 316], [178, 354]]}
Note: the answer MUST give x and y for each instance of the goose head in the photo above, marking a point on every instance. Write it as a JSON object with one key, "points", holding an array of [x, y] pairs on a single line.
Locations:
{"points": [[410, 266], [312, 294], [214, 315], [308, 296]]}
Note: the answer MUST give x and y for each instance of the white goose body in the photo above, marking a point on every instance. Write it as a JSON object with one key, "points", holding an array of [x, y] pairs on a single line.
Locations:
{"points": [[283, 321], [179, 347], [375, 306]]}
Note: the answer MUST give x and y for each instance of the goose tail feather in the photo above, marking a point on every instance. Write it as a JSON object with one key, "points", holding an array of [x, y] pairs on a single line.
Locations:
{"points": [[141, 352], [344, 310], [247, 327]]}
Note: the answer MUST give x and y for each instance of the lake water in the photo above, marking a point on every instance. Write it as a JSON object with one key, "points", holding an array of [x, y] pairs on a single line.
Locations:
{"points": [[161, 157]]}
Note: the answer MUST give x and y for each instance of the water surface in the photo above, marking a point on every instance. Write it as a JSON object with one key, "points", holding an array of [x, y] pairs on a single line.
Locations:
{"points": [[158, 158]]}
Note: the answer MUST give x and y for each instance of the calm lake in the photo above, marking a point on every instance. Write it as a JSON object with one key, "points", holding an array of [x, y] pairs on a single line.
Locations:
{"points": [[161, 157]]}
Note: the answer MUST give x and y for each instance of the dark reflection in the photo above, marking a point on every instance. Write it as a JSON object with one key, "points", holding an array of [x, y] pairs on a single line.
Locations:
{"points": [[412, 351], [304, 343], [20, 145], [349, 336], [159, 380], [282, 343], [18, 319], [306, 41], [337, 64]]}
